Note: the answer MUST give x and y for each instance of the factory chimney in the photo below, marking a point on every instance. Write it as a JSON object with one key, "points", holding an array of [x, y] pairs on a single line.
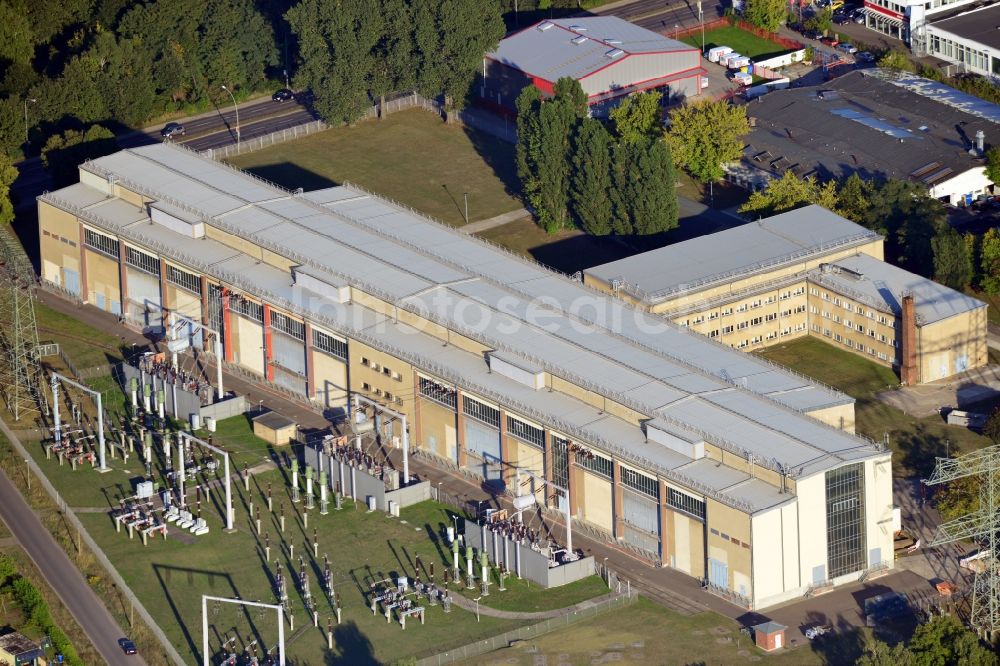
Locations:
{"points": [[909, 371]]}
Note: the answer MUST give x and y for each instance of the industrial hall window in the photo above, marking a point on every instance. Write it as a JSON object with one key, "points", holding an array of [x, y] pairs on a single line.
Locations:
{"points": [[481, 412], [101, 243], [528, 433], [687, 503], [142, 261], [594, 462], [329, 344], [288, 326], [246, 307], [845, 519], [183, 279], [560, 462], [439, 393], [644, 484]]}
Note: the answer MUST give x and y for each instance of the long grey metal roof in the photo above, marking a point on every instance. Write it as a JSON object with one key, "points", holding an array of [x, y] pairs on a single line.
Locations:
{"points": [[883, 285], [578, 47], [693, 265], [510, 304]]}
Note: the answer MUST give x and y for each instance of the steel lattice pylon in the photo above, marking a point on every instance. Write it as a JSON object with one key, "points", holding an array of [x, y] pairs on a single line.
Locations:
{"points": [[20, 371], [982, 526]]}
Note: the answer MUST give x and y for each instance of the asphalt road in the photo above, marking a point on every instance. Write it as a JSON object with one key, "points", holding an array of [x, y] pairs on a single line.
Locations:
{"points": [[63, 576]]}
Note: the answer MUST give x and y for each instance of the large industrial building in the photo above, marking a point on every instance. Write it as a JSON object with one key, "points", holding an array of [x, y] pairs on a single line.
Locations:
{"points": [[610, 57], [861, 123], [689, 453], [805, 272], [969, 40]]}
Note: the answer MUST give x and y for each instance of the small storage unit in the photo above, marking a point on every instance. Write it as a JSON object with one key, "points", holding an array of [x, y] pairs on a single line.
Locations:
{"points": [[274, 428], [769, 636], [715, 53]]}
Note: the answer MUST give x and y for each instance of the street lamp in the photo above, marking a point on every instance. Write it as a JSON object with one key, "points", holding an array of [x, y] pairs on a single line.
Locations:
{"points": [[465, 195], [235, 106], [26, 100]]}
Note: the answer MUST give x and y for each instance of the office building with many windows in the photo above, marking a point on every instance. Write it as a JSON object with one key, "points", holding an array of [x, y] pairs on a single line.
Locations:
{"points": [[688, 453]]}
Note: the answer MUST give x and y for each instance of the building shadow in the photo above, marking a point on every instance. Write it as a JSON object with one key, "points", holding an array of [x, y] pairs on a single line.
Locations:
{"points": [[353, 648], [291, 176]]}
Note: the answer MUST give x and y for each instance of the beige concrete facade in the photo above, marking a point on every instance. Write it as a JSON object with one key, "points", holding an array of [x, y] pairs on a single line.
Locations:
{"points": [[694, 531]]}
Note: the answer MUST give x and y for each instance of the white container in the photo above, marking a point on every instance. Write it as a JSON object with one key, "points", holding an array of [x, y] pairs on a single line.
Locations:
{"points": [[195, 420], [738, 63], [451, 534], [743, 78], [717, 52], [726, 57], [210, 423], [371, 502]]}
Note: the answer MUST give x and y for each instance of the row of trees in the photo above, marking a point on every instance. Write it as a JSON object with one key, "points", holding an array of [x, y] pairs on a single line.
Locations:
{"points": [[355, 51], [938, 641], [576, 171], [71, 63]]}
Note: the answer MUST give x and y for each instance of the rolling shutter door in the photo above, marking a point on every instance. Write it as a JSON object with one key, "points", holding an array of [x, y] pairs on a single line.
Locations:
{"points": [[72, 281], [483, 444], [642, 522], [144, 299], [289, 357]]}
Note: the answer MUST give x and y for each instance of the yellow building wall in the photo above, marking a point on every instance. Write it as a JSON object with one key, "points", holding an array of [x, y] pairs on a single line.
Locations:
{"points": [[183, 301], [248, 343], [595, 501], [728, 530], [438, 432], [397, 383], [838, 416], [54, 226], [684, 539], [529, 458], [952, 345], [330, 378], [103, 278]]}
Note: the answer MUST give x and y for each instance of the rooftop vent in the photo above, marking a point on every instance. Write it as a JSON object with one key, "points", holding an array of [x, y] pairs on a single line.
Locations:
{"points": [[612, 40], [827, 94], [578, 28], [614, 53], [579, 40], [542, 27]]}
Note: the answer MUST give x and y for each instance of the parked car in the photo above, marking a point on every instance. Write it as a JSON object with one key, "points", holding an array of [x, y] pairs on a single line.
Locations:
{"points": [[859, 18], [127, 646], [829, 41], [283, 95], [864, 56], [840, 19], [812, 34], [847, 47], [170, 130]]}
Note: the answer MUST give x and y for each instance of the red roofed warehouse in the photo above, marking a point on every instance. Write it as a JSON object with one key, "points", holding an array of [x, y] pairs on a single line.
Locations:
{"points": [[610, 57]]}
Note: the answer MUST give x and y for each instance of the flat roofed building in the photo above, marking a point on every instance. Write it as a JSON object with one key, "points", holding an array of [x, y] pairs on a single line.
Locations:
{"points": [[16, 649], [969, 40], [861, 123], [803, 272], [610, 57], [687, 452]]}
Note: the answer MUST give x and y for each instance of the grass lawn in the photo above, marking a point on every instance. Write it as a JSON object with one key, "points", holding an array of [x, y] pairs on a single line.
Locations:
{"points": [[85, 346], [993, 311], [411, 156], [915, 441], [644, 633], [235, 435], [741, 41]]}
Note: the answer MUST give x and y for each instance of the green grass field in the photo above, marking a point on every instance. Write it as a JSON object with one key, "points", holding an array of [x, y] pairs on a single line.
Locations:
{"points": [[85, 345], [914, 441], [741, 41], [640, 634], [411, 156]]}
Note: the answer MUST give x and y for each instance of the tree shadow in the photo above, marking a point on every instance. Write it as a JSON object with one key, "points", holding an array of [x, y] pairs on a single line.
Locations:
{"points": [[499, 155], [353, 648]]}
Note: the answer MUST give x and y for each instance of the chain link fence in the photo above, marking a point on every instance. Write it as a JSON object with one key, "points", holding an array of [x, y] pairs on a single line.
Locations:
{"points": [[527, 633]]}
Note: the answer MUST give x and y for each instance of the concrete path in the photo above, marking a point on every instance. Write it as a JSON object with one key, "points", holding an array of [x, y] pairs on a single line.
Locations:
{"points": [[470, 605], [63, 576], [957, 392], [498, 220]]}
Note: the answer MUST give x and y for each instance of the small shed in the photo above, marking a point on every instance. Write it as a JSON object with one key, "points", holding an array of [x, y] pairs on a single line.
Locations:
{"points": [[16, 649], [769, 636], [274, 428]]}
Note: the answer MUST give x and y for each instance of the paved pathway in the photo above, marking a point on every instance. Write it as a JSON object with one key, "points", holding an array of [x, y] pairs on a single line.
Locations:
{"points": [[471, 606], [960, 391], [62, 576], [499, 220]]}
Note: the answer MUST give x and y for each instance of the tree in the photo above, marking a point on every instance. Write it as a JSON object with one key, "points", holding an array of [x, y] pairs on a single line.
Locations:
{"points": [[896, 61], [17, 42], [766, 14], [952, 263], [705, 135], [336, 46], [820, 21], [394, 52], [943, 640], [990, 261], [591, 178], [854, 198], [63, 152], [651, 194], [993, 164], [790, 192], [638, 119], [909, 219], [125, 78], [972, 247], [958, 498], [468, 31], [8, 174]]}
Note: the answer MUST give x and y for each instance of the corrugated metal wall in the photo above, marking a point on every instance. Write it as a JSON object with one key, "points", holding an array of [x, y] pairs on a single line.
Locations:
{"points": [[483, 442]]}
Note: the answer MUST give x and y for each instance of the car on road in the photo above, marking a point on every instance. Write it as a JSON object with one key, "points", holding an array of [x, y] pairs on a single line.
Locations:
{"points": [[127, 646], [170, 130], [864, 56], [847, 47], [283, 95]]}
